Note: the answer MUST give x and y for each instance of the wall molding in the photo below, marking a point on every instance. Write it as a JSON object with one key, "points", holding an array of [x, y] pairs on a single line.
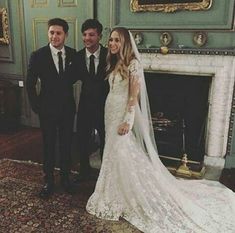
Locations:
{"points": [[11, 77], [39, 3], [35, 23], [169, 21], [71, 3], [191, 51], [6, 50]]}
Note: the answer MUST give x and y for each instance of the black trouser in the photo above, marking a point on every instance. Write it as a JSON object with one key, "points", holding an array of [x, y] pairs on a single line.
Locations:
{"points": [[61, 125], [85, 127]]}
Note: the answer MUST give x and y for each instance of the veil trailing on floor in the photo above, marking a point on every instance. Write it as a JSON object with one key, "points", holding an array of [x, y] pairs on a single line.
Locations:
{"points": [[180, 191]]}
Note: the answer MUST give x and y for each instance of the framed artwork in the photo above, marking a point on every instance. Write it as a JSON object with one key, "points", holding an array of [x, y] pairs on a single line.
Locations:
{"points": [[169, 5], [138, 37], [4, 36], [165, 38], [199, 38]]}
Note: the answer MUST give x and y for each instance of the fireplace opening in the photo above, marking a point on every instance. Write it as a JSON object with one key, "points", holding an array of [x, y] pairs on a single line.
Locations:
{"points": [[179, 110]]}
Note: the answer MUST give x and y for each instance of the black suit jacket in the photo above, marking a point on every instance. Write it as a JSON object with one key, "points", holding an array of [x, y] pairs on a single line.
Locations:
{"points": [[94, 89], [56, 94]]}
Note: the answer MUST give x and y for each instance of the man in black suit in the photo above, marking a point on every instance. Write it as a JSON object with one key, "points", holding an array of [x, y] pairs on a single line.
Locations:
{"points": [[94, 90], [54, 104]]}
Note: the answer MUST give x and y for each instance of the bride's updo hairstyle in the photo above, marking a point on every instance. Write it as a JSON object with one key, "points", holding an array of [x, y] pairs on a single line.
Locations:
{"points": [[119, 62]]}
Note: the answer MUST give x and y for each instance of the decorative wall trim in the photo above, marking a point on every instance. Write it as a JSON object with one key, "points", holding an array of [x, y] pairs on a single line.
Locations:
{"points": [[138, 6], [71, 20], [71, 3], [6, 51], [4, 29], [196, 51], [166, 38], [219, 17], [14, 78], [74, 24], [39, 3], [112, 14], [231, 125], [35, 23], [199, 39]]}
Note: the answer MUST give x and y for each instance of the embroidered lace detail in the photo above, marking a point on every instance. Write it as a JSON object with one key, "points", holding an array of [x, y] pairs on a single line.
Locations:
{"points": [[130, 186]]}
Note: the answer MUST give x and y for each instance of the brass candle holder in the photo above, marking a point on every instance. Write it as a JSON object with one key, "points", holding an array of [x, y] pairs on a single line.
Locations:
{"points": [[183, 169]]}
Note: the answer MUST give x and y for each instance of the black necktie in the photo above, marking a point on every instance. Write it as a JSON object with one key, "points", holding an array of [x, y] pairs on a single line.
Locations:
{"points": [[61, 70], [92, 66]]}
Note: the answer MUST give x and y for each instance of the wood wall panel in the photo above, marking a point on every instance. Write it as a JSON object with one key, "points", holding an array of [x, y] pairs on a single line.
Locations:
{"points": [[67, 3], [39, 3]]}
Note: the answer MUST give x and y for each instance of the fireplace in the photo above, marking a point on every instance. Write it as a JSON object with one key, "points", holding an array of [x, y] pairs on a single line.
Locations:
{"points": [[220, 70], [179, 109]]}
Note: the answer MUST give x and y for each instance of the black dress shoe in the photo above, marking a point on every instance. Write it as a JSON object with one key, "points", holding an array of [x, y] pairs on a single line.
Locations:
{"points": [[46, 191], [67, 186]]}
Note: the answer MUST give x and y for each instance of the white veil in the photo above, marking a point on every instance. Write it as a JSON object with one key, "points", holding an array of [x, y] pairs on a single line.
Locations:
{"points": [[178, 193], [143, 128]]}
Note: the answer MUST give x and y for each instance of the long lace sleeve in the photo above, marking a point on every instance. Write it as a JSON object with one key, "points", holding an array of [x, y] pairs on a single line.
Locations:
{"points": [[130, 109]]}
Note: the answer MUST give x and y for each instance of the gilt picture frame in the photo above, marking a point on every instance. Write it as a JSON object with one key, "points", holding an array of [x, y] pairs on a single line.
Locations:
{"points": [[4, 28], [169, 5]]}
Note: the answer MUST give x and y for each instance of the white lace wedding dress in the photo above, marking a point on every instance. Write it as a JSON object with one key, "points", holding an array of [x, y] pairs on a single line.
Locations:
{"points": [[146, 194]]}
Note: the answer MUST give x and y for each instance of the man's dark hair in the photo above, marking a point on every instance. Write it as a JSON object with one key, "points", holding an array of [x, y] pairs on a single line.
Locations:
{"points": [[59, 22], [92, 23]]}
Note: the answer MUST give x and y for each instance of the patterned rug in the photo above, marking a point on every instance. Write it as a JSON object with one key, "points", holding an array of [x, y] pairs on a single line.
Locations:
{"points": [[22, 211], [21, 143]]}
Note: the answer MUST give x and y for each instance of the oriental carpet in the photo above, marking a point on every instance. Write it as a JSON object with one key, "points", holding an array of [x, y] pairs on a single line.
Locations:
{"points": [[21, 209]]}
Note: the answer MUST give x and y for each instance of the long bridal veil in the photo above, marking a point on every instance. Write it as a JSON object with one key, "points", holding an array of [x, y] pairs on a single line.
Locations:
{"points": [[194, 204], [143, 128]]}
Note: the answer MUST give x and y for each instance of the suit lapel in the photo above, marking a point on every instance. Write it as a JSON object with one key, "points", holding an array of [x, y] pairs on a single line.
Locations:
{"points": [[83, 60], [68, 58], [51, 64], [102, 60]]}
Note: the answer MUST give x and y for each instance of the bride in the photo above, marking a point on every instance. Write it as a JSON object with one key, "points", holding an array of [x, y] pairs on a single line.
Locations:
{"points": [[133, 183]]}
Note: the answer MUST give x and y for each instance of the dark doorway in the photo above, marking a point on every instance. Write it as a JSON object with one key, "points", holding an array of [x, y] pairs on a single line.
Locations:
{"points": [[179, 108]]}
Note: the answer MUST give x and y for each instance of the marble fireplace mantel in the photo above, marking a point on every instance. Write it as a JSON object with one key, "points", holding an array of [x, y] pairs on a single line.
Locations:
{"points": [[222, 70]]}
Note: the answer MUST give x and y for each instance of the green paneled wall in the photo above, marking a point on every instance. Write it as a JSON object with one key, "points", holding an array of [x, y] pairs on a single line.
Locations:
{"points": [[11, 55], [37, 15], [217, 23], [214, 18]]}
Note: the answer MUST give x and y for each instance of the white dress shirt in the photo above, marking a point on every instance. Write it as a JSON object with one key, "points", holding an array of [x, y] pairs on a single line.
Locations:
{"points": [[96, 59], [54, 53]]}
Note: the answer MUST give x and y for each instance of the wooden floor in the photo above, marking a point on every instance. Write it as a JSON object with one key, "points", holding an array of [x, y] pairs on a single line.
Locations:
{"points": [[26, 144]]}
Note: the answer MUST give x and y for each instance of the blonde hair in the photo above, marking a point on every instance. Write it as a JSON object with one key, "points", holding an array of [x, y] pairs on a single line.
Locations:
{"points": [[119, 62]]}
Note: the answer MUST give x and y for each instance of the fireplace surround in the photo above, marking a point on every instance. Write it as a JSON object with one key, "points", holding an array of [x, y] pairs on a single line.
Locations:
{"points": [[222, 70]]}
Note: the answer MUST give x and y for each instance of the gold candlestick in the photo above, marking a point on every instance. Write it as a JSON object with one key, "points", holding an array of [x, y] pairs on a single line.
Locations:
{"points": [[183, 169]]}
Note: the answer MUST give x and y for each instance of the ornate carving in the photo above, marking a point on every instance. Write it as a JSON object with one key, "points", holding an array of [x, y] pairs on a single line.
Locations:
{"points": [[165, 38], [4, 35], [139, 38], [170, 7], [200, 39]]}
